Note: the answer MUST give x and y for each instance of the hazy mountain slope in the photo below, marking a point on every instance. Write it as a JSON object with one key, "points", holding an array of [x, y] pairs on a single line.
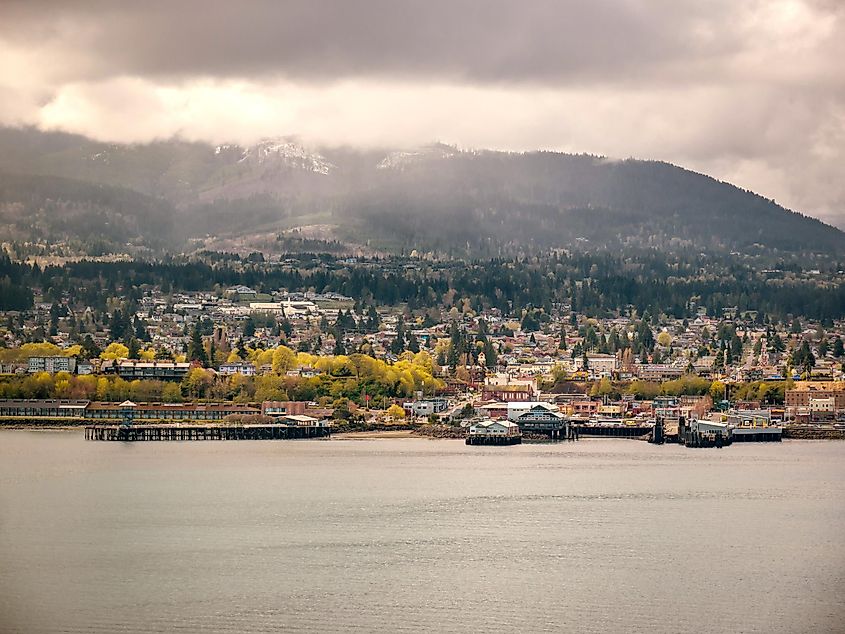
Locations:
{"points": [[548, 199], [433, 197], [90, 217]]}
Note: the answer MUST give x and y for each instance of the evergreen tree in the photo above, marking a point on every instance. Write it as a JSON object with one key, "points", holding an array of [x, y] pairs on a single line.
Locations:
{"points": [[119, 325], [134, 349], [490, 356], [802, 357], [286, 327], [90, 350], [456, 344], [140, 330], [212, 354], [249, 327], [373, 319], [397, 346], [339, 347], [530, 323], [645, 336], [54, 320], [413, 344], [196, 349]]}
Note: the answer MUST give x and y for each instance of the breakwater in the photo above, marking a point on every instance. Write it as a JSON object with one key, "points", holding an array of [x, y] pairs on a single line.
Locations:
{"points": [[810, 433]]}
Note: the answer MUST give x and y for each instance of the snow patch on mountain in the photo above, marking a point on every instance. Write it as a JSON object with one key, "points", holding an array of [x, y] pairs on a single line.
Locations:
{"points": [[402, 159], [282, 151]]}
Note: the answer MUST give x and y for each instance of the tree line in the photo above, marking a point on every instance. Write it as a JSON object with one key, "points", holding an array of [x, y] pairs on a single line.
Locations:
{"points": [[594, 284]]}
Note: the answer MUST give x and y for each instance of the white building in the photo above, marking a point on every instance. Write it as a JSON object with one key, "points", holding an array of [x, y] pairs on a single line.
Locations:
{"points": [[426, 407], [494, 428], [518, 408], [823, 406], [51, 364], [245, 369]]}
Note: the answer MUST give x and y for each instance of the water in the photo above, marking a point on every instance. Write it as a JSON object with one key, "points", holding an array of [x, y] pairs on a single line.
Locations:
{"points": [[419, 535]]}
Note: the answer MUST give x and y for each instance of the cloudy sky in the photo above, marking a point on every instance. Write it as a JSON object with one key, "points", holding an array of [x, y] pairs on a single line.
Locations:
{"points": [[749, 91]]}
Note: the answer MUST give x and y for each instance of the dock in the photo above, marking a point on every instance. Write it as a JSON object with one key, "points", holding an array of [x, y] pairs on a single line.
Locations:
{"points": [[588, 430], [179, 432], [494, 440]]}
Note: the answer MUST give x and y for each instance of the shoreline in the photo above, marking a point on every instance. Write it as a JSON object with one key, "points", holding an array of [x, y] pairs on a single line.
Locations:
{"points": [[376, 433], [435, 433]]}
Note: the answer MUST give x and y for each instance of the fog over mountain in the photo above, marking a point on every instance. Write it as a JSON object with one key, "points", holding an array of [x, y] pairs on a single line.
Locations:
{"points": [[174, 195], [751, 92]]}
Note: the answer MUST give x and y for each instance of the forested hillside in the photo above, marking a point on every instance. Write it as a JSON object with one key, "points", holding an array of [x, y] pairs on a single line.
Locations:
{"points": [[64, 187], [87, 217]]}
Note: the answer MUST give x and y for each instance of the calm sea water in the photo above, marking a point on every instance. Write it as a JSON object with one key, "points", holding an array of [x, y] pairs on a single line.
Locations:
{"points": [[419, 535]]}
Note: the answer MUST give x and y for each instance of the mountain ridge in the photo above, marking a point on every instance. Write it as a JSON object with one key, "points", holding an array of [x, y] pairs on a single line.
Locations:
{"points": [[435, 197]]}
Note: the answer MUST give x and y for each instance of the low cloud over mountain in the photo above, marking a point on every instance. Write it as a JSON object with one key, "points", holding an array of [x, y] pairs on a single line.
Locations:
{"points": [[751, 92], [57, 187]]}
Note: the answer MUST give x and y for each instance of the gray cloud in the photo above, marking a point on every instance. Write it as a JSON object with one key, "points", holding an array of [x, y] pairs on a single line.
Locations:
{"points": [[480, 40], [751, 91]]}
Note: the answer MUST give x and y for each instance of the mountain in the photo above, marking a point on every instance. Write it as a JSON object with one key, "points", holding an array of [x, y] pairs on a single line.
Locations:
{"points": [[431, 198], [83, 217]]}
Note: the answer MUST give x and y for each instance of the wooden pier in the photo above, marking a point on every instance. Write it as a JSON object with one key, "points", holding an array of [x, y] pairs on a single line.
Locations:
{"points": [[152, 432], [493, 440], [588, 430]]}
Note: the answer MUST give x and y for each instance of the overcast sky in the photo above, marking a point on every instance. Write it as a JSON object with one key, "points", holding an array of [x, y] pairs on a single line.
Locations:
{"points": [[749, 91]]}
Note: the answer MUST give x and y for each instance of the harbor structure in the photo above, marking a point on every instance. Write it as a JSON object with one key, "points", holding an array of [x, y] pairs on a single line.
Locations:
{"points": [[494, 432], [184, 432], [753, 426], [704, 433]]}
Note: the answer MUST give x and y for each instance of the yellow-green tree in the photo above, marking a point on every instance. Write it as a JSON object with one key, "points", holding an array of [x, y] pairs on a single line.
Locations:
{"points": [[171, 393], [284, 359], [717, 390], [115, 351], [102, 388], [395, 412], [270, 388], [603, 388], [197, 382]]}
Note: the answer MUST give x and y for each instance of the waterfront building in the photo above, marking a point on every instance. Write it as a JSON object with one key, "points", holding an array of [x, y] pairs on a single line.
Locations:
{"points": [[300, 420], [539, 409], [495, 428], [540, 417], [800, 395], [167, 411], [283, 408], [426, 407], [43, 408], [753, 426]]}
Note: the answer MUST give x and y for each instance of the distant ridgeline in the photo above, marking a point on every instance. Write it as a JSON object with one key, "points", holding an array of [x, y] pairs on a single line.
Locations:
{"points": [[60, 190]]}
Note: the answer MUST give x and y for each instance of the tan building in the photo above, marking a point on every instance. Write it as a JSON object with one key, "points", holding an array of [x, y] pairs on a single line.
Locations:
{"points": [[806, 391]]}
